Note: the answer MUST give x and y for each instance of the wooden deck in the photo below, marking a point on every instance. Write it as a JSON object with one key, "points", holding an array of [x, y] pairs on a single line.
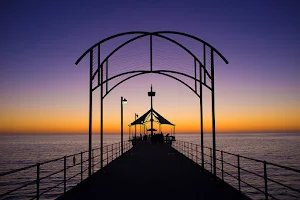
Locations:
{"points": [[152, 171]]}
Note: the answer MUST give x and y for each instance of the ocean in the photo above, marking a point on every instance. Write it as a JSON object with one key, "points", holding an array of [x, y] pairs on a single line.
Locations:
{"points": [[17, 151]]}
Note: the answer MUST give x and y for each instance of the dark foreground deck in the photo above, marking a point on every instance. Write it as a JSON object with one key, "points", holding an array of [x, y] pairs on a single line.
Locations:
{"points": [[152, 171]]}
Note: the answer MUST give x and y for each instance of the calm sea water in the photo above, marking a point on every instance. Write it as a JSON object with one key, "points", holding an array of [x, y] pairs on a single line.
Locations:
{"points": [[18, 151]]}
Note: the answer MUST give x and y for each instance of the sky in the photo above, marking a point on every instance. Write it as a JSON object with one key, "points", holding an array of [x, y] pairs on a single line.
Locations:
{"points": [[43, 91]]}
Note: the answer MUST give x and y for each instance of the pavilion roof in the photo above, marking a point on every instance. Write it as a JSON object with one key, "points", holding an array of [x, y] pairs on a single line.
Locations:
{"points": [[143, 118]]}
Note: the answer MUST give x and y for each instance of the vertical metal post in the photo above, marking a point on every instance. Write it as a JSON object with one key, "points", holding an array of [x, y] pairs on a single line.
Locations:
{"points": [[239, 172], [38, 181], [81, 166], [101, 117], [98, 65], [122, 125], [65, 173], [197, 153], [93, 161], [100, 83], [150, 52], [266, 180], [135, 126], [195, 66], [106, 73], [112, 151], [213, 110], [90, 111], [204, 62], [222, 165], [201, 119], [211, 160], [106, 154], [188, 150]]}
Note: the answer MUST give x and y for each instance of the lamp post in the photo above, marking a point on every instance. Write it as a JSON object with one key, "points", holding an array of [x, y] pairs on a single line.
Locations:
{"points": [[135, 116], [123, 101]]}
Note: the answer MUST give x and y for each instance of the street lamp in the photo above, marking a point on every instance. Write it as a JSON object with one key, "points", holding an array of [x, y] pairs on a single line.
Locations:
{"points": [[123, 101], [135, 116]]}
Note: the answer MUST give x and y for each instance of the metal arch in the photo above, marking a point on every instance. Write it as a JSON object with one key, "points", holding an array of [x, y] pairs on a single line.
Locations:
{"points": [[184, 48], [146, 71], [195, 38], [116, 49], [155, 71], [90, 50], [109, 38], [144, 33], [149, 72]]}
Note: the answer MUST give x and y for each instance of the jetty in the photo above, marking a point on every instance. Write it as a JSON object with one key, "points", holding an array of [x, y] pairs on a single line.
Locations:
{"points": [[154, 166], [153, 171]]}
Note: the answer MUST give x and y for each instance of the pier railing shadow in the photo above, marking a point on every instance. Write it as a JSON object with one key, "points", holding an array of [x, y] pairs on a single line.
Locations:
{"points": [[256, 178], [55, 177]]}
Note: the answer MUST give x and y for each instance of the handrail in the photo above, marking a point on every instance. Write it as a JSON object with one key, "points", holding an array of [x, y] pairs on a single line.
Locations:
{"points": [[113, 152], [191, 150]]}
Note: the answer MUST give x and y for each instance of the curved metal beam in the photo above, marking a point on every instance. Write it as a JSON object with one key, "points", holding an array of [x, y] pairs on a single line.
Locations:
{"points": [[122, 45], [195, 38], [149, 72], [147, 34], [108, 38], [152, 33], [116, 49], [183, 47]]}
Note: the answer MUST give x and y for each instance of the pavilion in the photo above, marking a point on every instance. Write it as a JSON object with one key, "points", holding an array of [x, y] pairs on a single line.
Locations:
{"points": [[151, 116]]}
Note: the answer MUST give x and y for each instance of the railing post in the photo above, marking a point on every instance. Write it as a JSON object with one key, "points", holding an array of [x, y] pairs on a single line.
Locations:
{"points": [[188, 150], [93, 160], [106, 154], [211, 160], [239, 172], [81, 165], [193, 154], [65, 173], [38, 181], [222, 165], [101, 164], [112, 152], [266, 180], [197, 153]]}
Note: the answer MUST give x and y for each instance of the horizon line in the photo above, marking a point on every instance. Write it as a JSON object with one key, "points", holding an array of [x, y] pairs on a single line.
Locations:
{"points": [[115, 133]]}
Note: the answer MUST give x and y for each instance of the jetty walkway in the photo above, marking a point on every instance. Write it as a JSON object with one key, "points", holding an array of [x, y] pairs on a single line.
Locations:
{"points": [[152, 171]]}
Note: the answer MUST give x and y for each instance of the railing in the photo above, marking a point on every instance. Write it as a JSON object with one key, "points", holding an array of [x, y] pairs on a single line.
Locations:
{"points": [[261, 179], [31, 183]]}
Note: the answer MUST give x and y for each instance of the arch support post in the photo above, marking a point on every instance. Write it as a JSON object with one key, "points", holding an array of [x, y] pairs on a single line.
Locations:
{"points": [[201, 119], [101, 116], [213, 112], [90, 114]]}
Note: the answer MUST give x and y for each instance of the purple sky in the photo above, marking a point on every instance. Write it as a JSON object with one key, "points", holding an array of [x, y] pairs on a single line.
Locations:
{"points": [[41, 40]]}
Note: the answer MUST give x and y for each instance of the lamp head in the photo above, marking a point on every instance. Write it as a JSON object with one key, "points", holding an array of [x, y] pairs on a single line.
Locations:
{"points": [[124, 101]]}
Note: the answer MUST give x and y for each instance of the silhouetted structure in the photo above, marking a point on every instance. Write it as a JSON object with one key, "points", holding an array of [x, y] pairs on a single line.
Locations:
{"points": [[151, 116], [202, 68]]}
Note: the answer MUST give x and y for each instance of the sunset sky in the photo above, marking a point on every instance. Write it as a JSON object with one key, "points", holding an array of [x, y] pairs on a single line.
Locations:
{"points": [[43, 91]]}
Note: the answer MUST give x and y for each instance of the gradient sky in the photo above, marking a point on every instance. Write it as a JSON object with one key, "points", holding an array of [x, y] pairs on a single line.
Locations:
{"points": [[43, 91]]}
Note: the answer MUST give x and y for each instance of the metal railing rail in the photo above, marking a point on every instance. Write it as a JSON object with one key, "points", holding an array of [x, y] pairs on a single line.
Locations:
{"points": [[192, 151], [112, 152]]}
